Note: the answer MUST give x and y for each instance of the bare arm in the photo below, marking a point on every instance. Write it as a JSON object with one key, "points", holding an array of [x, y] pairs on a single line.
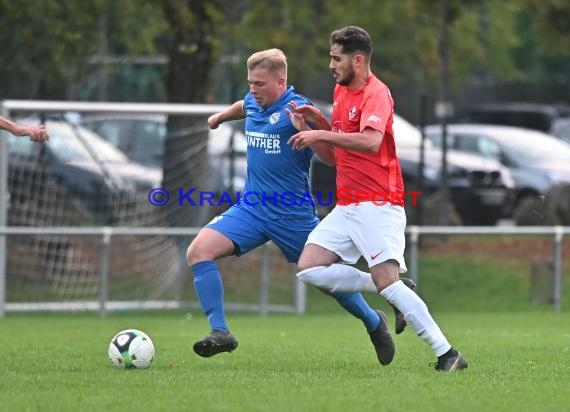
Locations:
{"points": [[36, 133], [368, 141], [234, 112]]}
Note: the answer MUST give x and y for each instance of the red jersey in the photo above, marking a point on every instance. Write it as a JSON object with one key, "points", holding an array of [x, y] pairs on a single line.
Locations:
{"points": [[379, 173]]}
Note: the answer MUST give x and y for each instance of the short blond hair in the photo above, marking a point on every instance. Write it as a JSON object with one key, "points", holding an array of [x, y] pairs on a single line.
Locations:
{"points": [[272, 60]]}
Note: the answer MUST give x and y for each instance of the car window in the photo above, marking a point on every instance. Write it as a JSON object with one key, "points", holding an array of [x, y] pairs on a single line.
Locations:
{"points": [[489, 148], [561, 129], [534, 146], [149, 147], [23, 147], [479, 145], [72, 144], [111, 132], [435, 139], [143, 139], [140, 140]]}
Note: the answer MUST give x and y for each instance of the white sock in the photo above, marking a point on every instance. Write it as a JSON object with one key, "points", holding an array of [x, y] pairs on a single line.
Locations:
{"points": [[417, 315], [338, 278]]}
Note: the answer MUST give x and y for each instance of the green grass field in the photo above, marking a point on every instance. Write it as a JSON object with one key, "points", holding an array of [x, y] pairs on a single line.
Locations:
{"points": [[519, 353], [318, 362]]}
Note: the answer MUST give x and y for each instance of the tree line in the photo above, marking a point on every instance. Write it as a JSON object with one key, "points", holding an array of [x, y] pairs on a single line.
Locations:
{"points": [[53, 49]]}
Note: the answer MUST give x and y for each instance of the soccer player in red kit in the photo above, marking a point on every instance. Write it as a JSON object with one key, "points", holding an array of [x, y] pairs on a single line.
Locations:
{"points": [[360, 142]]}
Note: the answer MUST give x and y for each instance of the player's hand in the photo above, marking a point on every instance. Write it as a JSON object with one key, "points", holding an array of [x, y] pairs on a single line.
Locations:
{"points": [[214, 121], [309, 113], [303, 140], [37, 134], [297, 120]]}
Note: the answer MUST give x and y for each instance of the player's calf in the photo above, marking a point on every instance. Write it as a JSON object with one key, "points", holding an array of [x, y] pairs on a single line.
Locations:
{"points": [[400, 321]]}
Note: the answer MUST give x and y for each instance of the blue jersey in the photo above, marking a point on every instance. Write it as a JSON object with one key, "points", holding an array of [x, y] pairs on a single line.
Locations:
{"points": [[277, 183]]}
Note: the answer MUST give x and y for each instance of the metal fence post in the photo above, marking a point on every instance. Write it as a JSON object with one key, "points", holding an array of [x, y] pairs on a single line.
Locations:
{"points": [[300, 290], [4, 195], [414, 238], [558, 235], [105, 255], [3, 267], [264, 288]]}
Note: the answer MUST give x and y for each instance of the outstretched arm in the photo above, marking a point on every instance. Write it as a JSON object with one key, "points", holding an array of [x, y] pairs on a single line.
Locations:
{"points": [[234, 112], [368, 141], [36, 133]]}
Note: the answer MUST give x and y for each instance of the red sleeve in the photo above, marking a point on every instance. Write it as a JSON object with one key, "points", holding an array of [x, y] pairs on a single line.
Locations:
{"points": [[377, 107]]}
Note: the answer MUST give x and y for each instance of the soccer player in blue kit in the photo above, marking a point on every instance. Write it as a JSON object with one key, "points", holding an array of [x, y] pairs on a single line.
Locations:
{"points": [[276, 208]]}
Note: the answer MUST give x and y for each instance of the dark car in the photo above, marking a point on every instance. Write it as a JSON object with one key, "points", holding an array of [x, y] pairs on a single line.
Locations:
{"points": [[75, 178], [142, 138], [549, 118], [480, 189], [537, 161]]}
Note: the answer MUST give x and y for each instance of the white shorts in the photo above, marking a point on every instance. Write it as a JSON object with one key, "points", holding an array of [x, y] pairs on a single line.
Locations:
{"points": [[375, 232]]}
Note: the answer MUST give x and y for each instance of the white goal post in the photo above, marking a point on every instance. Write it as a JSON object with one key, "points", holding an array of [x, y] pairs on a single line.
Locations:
{"points": [[9, 108]]}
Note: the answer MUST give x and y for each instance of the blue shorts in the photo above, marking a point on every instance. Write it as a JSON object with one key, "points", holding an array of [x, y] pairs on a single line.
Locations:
{"points": [[249, 231]]}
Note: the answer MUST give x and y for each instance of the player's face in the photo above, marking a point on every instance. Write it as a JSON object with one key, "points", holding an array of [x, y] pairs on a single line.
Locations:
{"points": [[341, 66], [265, 86]]}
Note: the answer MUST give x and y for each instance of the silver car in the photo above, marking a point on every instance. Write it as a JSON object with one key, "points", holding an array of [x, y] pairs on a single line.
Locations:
{"points": [[537, 162]]}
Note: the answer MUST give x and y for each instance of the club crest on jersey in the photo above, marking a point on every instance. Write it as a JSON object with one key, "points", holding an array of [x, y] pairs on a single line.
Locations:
{"points": [[352, 113], [274, 118]]}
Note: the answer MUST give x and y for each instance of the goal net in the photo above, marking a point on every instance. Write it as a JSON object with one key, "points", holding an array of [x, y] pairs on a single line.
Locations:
{"points": [[123, 166]]}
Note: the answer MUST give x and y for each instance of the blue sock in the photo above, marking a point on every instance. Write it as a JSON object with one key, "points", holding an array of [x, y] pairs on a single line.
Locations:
{"points": [[210, 291], [355, 304]]}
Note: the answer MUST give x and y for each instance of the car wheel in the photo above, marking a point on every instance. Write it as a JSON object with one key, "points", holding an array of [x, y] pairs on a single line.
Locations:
{"points": [[529, 211]]}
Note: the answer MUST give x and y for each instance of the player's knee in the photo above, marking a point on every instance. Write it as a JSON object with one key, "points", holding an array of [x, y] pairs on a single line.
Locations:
{"points": [[315, 256], [196, 252], [304, 263], [385, 274], [191, 254]]}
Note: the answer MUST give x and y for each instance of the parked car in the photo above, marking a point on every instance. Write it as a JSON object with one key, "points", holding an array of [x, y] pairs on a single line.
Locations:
{"points": [[76, 171], [79, 179], [142, 138], [480, 189], [537, 161], [549, 118], [561, 128]]}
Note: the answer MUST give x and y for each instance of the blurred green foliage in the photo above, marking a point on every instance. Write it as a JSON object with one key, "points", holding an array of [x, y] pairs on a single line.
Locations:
{"points": [[49, 47]]}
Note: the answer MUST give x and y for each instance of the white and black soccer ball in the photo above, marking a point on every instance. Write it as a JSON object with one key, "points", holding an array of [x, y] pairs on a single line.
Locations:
{"points": [[131, 349]]}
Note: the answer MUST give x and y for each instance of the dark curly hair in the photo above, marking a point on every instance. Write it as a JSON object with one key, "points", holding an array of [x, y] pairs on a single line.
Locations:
{"points": [[352, 39]]}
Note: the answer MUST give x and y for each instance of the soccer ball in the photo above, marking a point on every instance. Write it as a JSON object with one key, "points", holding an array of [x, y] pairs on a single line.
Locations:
{"points": [[131, 349]]}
